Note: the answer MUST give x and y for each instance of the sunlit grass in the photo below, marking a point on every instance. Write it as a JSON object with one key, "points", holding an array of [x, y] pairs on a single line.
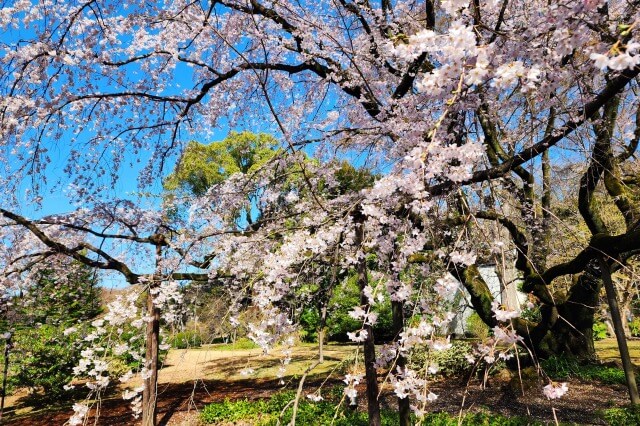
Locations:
{"points": [[607, 350], [228, 361]]}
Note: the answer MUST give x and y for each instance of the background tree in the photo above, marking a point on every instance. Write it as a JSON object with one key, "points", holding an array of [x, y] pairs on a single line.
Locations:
{"points": [[45, 326]]}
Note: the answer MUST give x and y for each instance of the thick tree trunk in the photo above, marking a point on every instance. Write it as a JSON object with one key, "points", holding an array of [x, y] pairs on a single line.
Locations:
{"points": [[572, 331], [371, 376], [565, 329], [150, 392], [404, 408]]}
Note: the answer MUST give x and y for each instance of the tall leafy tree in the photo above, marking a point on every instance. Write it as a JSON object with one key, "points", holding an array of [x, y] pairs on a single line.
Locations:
{"points": [[202, 166]]}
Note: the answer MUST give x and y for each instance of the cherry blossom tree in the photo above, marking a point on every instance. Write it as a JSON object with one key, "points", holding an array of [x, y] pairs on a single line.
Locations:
{"points": [[444, 99]]}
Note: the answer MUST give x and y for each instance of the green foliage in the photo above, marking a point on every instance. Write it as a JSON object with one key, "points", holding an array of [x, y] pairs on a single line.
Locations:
{"points": [[132, 337], [345, 297], [531, 314], [202, 166], [350, 179], [228, 411], [451, 362], [562, 368], [477, 419], [185, 339], [634, 327], [475, 327], [599, 331], [239, 344], [272, 411], [622, 416], [309, 323], [44, 357], [68, 300]]}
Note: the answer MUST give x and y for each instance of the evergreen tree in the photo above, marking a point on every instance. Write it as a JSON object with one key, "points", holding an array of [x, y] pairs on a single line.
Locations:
{"points": [[46, 322]]}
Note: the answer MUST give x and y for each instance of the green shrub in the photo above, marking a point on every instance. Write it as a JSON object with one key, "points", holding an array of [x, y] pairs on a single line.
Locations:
{"points": [[634, 327], [228, 411], [475, 327], [339, 322], [451, 362], [272, 412], [118, 367], [480, 418], [268, 412], [622, 416], [185, 339], [531, 314], [239, 344], [44, 358], [599, 330], [309, 323], [561, 368]]}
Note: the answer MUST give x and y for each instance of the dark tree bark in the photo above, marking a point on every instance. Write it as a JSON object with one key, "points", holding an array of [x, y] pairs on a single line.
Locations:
{"points": [[404, 408], [369, 349], [571, 329], [566, 327]]}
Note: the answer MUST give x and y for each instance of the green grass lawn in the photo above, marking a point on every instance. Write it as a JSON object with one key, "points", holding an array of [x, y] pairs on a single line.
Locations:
{"points": [[607, 350]]}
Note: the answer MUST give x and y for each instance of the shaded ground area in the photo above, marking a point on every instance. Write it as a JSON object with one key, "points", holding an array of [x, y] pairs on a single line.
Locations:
{"points": [[181, 397], [579, 405], [178, 403]]}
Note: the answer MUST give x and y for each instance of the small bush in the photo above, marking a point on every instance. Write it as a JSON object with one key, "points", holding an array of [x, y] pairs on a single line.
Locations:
{"points": [[561, 368], [622, 416], [599, 331], [531, 314], [451, 362], [118, 367], [228, 411], [185, 339], [272, 412], [481, 418], [238, 345]]}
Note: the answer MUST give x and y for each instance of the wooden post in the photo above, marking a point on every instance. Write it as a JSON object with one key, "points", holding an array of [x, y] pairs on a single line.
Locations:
{"points": [[152, 344], [619, 330], [150, 392], [5, 372]]}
